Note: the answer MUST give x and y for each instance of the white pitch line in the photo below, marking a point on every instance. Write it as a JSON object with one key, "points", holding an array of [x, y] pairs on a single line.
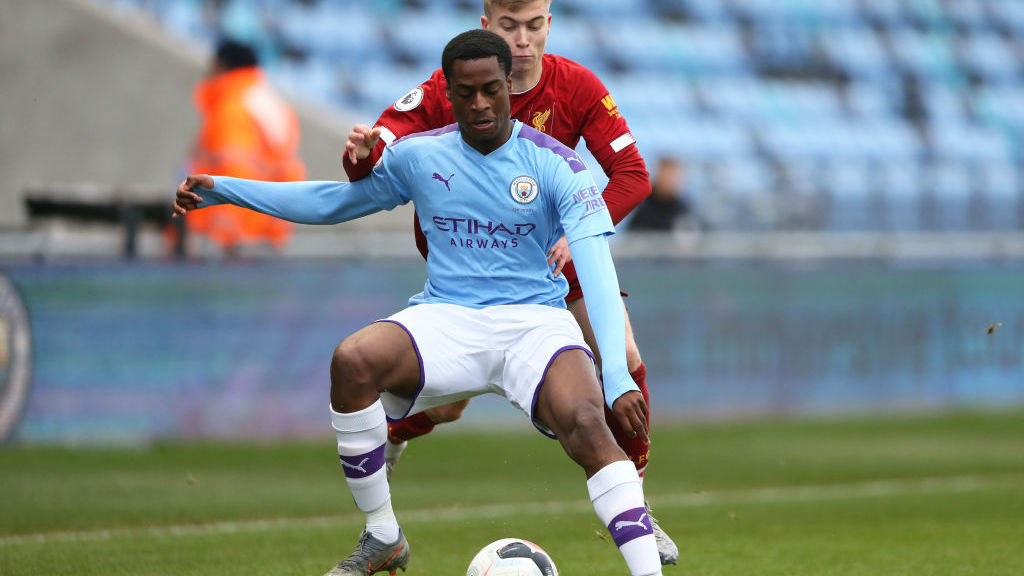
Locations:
{"points": [[868, 489]]}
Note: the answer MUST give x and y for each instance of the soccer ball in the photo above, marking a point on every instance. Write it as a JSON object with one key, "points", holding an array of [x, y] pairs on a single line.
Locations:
{"points": [[512, 557]]}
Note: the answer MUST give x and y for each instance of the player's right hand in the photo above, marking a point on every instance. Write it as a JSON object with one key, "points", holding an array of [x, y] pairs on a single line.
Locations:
{"points": [[186, 199], [361, 141], [631, 411]]}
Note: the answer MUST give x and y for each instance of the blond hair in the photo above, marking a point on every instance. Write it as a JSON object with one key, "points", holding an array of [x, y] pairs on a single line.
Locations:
{"points": [[512, 5]]}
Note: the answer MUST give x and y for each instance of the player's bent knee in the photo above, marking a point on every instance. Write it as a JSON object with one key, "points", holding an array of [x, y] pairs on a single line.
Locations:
{"points": [[350, 366]]}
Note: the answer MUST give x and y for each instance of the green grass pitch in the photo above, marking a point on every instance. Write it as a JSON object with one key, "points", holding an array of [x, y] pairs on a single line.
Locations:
{"points": [[916, 496]]}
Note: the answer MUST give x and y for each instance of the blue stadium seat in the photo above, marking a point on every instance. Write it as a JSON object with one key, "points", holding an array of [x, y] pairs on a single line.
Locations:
{"points": [[1001, 107], [867, 100], [928, 14], [948, 189], [421, 36], [810, 100], [801, 177], [749, 185], [749, 99], [381, 87], [945, 102], [185, 20], [313, 80], [859, 52], [805, 13], [574, 39], [968, 13], [1000, 184], [962, 141], [634, 38], [1009, 13], [643, 96], [885, 12], [991, 57], [900, 184], [927, 54], [324, 30], [851, 190], [783, 45], [694, 50], [694, 138], [706, 11], [607, 9]]}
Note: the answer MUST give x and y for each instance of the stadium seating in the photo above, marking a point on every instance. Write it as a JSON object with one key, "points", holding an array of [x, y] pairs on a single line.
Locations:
{"points": [[902, 114]]}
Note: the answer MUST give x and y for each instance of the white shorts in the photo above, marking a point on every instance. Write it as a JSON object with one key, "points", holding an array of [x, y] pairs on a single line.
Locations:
{"points": [[464, 352]]}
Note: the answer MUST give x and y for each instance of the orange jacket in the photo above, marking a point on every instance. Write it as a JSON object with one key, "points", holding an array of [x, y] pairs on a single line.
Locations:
{"points": [[247, 131]]}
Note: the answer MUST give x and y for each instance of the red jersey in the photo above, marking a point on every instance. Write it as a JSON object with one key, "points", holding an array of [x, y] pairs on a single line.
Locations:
{"points": [[568, 103]]}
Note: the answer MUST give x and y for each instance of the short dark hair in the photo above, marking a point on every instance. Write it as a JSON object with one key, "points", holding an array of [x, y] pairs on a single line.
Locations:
{"points": [[475, 45], [234, 54]]}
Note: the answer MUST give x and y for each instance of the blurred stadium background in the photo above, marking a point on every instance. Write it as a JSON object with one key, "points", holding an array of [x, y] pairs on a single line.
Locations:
{"points": [[857, 163]]}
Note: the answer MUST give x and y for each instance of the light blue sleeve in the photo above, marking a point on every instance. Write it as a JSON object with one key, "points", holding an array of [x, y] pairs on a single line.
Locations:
{"points": [[580, 205], [302, 202], [596, 272]]}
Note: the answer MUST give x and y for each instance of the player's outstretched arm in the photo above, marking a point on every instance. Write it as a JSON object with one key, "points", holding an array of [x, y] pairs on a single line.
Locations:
{"points": [[301, 202], [596, 272]]}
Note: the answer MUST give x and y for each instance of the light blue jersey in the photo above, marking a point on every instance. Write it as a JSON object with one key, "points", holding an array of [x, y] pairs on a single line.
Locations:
{"points": [[489, 221]]}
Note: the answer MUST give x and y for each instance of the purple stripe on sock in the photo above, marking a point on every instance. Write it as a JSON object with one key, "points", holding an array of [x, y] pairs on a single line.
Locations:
{"points": [[630, 525], [363, 465]]}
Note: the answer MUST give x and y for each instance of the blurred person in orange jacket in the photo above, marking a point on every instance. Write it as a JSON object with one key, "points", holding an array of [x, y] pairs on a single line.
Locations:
{"points": [[247, 130]]}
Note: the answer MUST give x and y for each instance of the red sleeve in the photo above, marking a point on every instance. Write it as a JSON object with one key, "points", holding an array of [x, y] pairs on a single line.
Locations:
{"points": [[422, 108], [610, 141]]}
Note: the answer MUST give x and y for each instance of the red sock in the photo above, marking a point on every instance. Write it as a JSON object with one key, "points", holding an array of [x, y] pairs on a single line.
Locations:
{"points": [[408, 428], [634, 448]]}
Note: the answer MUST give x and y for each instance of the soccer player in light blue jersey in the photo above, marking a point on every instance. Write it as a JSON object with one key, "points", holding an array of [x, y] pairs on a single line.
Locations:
{"points": [[492, 197]]}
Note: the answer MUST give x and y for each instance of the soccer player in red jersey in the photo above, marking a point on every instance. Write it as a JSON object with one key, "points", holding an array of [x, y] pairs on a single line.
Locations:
{"points": [[566, 101]]}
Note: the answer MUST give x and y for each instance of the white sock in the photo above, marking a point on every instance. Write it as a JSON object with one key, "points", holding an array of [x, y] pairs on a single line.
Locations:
{"points": [[618, 500], [392, 452], [361, 438], [382, 523]]}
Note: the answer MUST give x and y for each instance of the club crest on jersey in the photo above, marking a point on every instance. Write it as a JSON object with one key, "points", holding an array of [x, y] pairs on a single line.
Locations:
{"points": [[540, 119], [411, 100], [524, 189]]}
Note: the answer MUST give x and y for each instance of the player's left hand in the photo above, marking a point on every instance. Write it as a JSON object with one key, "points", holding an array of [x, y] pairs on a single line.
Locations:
{"points": [[559, 255], [631, 410]]}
